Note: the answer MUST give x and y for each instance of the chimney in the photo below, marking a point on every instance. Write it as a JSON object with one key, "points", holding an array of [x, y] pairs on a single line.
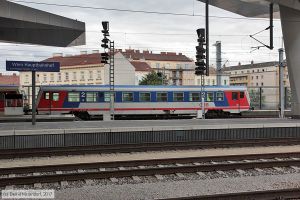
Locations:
{"points": [[95, 51], [180, 54], [83, 52], [146, 52], [240, 63], [163, 53], [57, 55], [137, 51], [252, 62]]}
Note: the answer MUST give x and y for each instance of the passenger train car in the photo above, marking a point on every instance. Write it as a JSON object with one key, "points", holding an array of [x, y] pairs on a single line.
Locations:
{"points": [[85, 101], [11, 102]]}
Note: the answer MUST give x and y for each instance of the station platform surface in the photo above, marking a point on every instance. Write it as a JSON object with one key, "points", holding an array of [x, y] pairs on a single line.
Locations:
{"points": [[25, 128], [39, 118]]}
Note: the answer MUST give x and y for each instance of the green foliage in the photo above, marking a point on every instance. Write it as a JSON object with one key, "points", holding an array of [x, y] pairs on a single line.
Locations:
{"points": [[153, 78]]}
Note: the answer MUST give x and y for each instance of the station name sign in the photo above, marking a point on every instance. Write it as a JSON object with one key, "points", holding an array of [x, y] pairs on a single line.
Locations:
{"points": [[32, 66]]}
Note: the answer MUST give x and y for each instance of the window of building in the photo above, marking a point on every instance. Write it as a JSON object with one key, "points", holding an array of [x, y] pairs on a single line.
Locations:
{"points": [[127, 96], [253, 70], [145, 96], [234, 96], [225, 82], [45, 77], [242, 72], [213, 82], [263, 70], [256, 77], [73, 97], [74, 76], [55, 96], [98, 74], [257, 70], [162, 96], [67, 76], [210, 96], [52, 77], [195, 96], [256, 84], [248, 71], [178, 96], [208, 81], [186, 66], [90, 74], [252, 77], [59, 77], [82, 75], [262, 84], [47, 95], [26, 78], [91, 96], [262, 76], [235, 72], [157, 65]]}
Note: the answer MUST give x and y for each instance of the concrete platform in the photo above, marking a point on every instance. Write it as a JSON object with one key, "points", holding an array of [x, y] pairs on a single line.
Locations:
{"points": [[39, 118], [24, 128]]}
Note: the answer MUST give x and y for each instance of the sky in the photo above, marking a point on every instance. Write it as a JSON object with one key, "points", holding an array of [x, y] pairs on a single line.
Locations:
{"points": [[155, 32]]}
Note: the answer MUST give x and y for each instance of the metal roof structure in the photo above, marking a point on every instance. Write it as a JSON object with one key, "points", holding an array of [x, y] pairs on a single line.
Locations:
{"points": [[22, 24]]}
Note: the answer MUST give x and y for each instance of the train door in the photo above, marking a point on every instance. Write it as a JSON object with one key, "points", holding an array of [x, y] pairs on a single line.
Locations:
{"points": [[236, 100], [52, 101]]}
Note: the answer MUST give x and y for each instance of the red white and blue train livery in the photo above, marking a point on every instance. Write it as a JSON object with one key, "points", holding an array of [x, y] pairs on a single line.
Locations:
{"points": [[85, 101]]}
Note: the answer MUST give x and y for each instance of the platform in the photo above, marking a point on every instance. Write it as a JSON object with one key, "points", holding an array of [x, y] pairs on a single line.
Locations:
{"points": [[39, 118], [65, 134]]}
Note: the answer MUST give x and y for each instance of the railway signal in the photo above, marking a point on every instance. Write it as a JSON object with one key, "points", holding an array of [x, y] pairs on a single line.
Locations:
{"points": [[108, 57], [200, 53]]}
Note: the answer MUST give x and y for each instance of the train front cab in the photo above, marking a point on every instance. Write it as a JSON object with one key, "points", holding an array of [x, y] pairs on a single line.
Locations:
{"points": [[239, 101], [11, 103]]}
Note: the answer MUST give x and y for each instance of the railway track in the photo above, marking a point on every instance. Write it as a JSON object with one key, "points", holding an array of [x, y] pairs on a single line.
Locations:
{"points": [[120, 169], [79, 150], [293, 193]]}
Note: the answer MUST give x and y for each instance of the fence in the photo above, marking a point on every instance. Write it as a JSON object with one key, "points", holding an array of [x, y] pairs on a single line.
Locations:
{"points": [[267, 98]]}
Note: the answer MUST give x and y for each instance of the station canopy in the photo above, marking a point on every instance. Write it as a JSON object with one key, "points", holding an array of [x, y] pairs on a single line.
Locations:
{"points": [[22, 24]]}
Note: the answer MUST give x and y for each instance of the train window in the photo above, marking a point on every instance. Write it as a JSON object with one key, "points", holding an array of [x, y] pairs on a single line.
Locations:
{"points": [[234, 96], [127, 97], [242, 95], [162, 96], [55, 96], [107, 96], [178, 96], [1, 96], [73, 97], [145, 96], [91, 96], [47, 95], [195, 96], [210, 96], [220, 96]]}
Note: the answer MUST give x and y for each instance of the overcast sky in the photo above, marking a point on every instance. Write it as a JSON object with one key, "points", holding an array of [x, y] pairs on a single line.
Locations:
{"points": [[155, 32]]}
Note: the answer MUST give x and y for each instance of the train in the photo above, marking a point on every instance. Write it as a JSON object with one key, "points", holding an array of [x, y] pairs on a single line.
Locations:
{"points": [[87, 101], [11, 101]]}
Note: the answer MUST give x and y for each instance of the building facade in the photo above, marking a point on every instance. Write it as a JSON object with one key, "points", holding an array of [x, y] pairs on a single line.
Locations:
{"points": [[212, 78], [141, 70], [178, 68], [6, 79]]}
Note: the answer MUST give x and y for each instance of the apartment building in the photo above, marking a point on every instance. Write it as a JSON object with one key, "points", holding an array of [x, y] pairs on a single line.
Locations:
{"points": [[212, 78], [257, 74], [178, 68], [7, 79]]}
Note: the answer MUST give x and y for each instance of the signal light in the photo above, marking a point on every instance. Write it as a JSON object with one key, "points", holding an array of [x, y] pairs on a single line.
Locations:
{"points": [[200, 53], [104, 58]]}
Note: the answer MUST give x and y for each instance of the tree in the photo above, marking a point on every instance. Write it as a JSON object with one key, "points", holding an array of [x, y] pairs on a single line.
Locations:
{"points": [[153, 78]]}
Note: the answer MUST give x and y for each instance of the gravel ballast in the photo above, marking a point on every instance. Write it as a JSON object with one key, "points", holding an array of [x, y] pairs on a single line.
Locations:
{"points": [[179, 188]]}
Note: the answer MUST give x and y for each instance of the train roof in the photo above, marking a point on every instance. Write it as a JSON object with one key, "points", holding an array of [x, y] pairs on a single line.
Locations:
{"points": [[132, 87], [9, 87]]}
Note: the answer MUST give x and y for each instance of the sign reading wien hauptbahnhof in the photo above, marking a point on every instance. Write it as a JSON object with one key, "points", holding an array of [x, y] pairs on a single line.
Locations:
{"points": [[32, 66]]}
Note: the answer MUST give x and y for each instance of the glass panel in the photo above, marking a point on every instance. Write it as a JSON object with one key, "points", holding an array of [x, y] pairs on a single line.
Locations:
{"points": [[107, 96], [145, 96], [162, 96], [127, 96], [55, 96], [73, 96], [195, 96], [220, 96], [210, 96], [234, 96], [47, 95], [178, 96], [91, 96], [242, 95]]}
